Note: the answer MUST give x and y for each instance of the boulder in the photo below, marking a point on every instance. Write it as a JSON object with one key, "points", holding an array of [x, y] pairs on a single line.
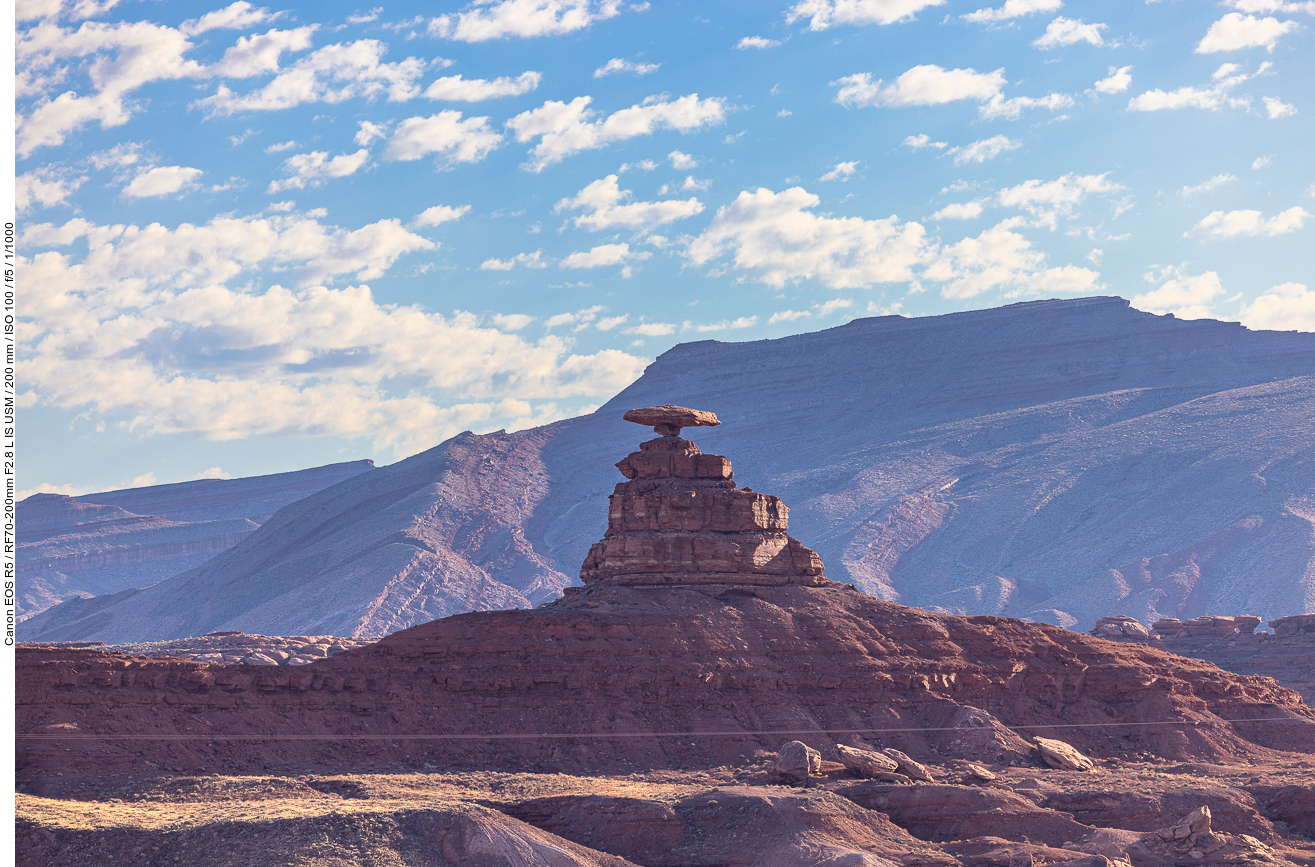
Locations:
{"points": [[1120, 627], [1061, 756], [795, 762], [668, 419], [870, 764], [908, 767]]}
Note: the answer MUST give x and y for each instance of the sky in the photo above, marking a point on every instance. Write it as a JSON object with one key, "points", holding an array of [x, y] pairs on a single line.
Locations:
{"points": [[258, 238]]}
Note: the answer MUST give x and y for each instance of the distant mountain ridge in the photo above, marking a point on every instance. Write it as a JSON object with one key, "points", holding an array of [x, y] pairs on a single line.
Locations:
{"points": [[1059, 460], [97, 543]]}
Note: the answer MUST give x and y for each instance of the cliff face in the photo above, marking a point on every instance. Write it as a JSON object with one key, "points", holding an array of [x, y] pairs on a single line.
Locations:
{"points": [[1057, 460], [71, 547]]}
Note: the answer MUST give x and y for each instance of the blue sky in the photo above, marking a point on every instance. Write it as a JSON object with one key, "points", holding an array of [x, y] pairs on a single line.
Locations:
{"points": [[260, 238]]}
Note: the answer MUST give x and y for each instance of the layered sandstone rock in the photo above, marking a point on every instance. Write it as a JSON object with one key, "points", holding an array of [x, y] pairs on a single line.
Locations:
{"points": [[1120, 627], [1207, 626], [1297, 624], [681, 519]]}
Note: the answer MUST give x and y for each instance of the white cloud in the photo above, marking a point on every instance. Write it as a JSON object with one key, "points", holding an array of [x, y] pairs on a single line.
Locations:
{"points": [[1208, 185], [580, 317], [44, 187], [1237, 224], [681, 161], [1047, 201], [1277, 108], [259, 54], [123, 58], [1118, 81], [213, 473], [785, 112], [788, 316], [332, 74], [1067, 31], [607, 323], [438, 215], [1000, 258], [927, 84], [922, 140], [142, 330], [833, 305], [1012, 9], [1261, 162], [824, 14], [123, 154], [316, 166], [841, 171], [1012, 109], [366, 133], [1184, 297], [1236, 31], [608, 207], [618, 64], [605, 255], [756, 42], [776, 240], [1286, 307], [1272, 6], [454, 140], [511, 321], [564, 129], [366, 18], [161, 181], [484, 20], [525, 260], [724, 325], [981, 151], [237, 16], [651, 329], [454, 88], [959, 211]]}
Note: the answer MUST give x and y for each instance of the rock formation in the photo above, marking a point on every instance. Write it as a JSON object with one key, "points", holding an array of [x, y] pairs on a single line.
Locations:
{"points": [[681, 520], [1206, 626], [1295, 624], [237, 648], [1120, 627]]}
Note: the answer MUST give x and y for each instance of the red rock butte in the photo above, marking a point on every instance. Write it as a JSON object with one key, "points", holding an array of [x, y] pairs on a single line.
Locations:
{"points": [[681, 519]]}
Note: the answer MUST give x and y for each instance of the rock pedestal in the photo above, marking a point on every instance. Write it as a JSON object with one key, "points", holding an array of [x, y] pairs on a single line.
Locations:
{"points": [[681, 520]]}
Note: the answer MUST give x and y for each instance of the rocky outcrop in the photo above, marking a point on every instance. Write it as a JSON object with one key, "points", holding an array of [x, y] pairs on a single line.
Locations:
{"points": [[1289, 657], [1120, 627], [1060, 755], [1296, 624], [1206, 626], [681, 520], [236, 648], [795, 763]]}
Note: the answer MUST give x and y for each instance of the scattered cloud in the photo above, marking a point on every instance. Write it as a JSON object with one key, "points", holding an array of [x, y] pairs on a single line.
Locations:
{"points": [[1277, 108], [564, 129], [237, 16], [483, 20], [1208, 185], [1012, 109], [524, 260], [259, 54], [651, 329], [511, 321], [959, 211], [316, 166], [756, 42], [1118, 81], [682, 161], [1049, 200], [922, 140], [829, 307], [1286, 307], [1236, 31], [927, 84], [367, 133], [44, 187], [1211, 98], [1248, 224], [1184, 297], [161, 181], [438, 215], [724, 325], [366, 17], [619, 64], [1067, 31], [841, 171], [1261, 162], [605, 255], [788, 316], [981, 151], [1000, 258], [825, 14], [609, 207], [1272, 6], [775, 239], [213, 473], [454, 88], [279, 147], [446, 134], [580, 317], [1012, 9], [332, 74]]}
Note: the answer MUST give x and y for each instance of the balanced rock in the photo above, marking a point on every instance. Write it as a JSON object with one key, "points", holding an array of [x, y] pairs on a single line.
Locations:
{"points": [[1120, 627], [682, 520], [668, 419], [908, 767], [1061, 756], [795, 762]]}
